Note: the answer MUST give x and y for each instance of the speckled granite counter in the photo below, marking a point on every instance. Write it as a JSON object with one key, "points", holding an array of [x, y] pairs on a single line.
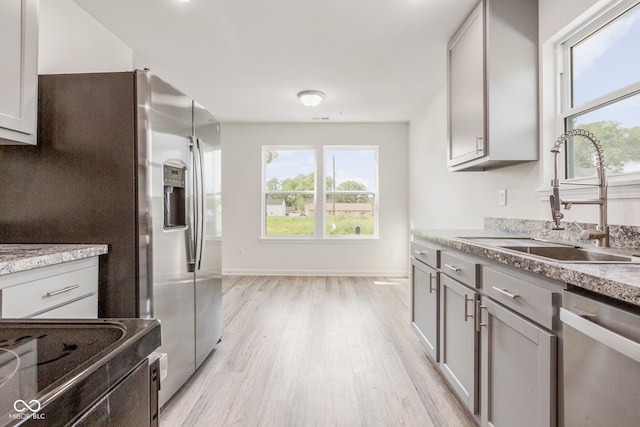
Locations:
{"points": [[619, 281], [20, 257]]}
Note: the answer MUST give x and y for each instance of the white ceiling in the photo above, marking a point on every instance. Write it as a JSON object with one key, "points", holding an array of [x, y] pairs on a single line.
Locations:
{"points": [[245, 60]]}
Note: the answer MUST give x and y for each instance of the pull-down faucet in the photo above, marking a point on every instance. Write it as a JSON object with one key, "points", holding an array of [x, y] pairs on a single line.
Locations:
{"points": [[601, 233]]}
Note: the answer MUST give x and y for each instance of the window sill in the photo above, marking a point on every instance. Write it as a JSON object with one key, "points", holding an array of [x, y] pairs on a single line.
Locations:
{"points": [[318, 240]]}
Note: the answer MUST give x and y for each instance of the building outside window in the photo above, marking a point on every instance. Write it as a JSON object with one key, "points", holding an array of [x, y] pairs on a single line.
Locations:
{"points": [[601, 91], [295, 204]]}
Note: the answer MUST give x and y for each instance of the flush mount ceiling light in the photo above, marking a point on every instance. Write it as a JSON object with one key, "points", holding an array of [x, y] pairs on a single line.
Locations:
{"points": [[311, 98]]}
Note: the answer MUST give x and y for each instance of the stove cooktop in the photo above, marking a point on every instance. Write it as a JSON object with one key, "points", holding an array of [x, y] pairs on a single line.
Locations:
{"points": [[33, 358]]}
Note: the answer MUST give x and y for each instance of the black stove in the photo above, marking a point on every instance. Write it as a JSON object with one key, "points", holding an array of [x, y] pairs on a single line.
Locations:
{"points": [[48, 368], [47, 354]]}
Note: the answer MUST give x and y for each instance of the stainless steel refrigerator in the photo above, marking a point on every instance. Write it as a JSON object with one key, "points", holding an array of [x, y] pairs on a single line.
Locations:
{"points": [[128, 160]]}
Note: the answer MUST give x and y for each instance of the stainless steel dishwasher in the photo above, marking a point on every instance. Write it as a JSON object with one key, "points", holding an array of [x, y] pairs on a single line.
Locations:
{"points": [[601, 363]]}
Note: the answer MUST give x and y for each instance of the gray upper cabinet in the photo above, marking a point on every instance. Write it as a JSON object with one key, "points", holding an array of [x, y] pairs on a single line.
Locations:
{"points": [[19, 71], [466, 91], [493, 86]]}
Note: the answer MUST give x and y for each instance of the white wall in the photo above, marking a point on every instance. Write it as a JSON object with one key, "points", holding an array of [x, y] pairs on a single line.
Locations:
{"points": [[72, 41], [241, 184], [440, 199]]}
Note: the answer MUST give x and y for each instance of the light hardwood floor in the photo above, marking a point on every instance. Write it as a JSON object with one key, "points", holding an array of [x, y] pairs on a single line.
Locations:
{"points": [[316, 351]]}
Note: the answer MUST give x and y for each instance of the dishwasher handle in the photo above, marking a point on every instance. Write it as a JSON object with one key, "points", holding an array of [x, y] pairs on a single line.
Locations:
{"points": [[616, 342]]}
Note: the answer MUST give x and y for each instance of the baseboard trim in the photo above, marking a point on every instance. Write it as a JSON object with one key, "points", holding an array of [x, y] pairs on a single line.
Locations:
{"points": [[361, 273]]}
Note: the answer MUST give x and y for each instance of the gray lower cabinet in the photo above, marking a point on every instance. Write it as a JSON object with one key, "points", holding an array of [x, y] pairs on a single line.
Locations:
{"points": [[425, 309], [518, 369], [459, 340], [494, 331]]}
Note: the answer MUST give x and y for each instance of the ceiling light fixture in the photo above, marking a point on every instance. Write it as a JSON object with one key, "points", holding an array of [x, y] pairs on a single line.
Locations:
{"points": [[311, 98]]}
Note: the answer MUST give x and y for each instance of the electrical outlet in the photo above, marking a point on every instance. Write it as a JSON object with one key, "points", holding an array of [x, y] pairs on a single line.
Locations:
{"points": [[502, 197], [240, 253]]}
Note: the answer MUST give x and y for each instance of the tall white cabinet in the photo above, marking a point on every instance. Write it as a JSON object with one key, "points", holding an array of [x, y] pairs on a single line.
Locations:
{"points": [[19, 71]]}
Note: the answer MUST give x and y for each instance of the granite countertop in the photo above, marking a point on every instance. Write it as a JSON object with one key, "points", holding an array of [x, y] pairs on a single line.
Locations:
{"points": [[22, 257], [619, 281]]}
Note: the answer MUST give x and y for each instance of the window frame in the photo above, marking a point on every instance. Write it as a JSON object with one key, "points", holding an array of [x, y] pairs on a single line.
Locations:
{"points": [[376, 192], [314, 192], [565, 80], [319, 195]]}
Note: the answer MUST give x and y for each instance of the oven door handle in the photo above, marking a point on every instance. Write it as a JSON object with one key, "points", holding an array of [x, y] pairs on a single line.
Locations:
{"points": [[616, 342]]}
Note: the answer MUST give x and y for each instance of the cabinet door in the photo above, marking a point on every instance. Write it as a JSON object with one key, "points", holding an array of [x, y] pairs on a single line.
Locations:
{"points": [[18, 73], [459, 340], [518, 370], [466, 91], [424, 308]]}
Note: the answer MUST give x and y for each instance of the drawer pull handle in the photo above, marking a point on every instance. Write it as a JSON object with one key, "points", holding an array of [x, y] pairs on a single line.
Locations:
{"points": [[453, 267], [419, 253], [506, 293], [63, 290]]}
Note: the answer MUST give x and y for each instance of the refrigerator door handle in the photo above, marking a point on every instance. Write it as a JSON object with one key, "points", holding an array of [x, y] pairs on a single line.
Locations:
{"points": [[191, 231], [199, 197]]}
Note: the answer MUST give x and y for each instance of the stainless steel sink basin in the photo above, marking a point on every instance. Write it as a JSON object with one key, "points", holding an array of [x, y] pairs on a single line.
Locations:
{"points": [[511, 241], [554, 251], [570, 254]]}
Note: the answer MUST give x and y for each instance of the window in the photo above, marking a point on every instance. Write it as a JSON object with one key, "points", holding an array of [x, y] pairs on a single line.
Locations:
{"points": [[289, 191], [295, 205], [601, 91], [350, 191]]}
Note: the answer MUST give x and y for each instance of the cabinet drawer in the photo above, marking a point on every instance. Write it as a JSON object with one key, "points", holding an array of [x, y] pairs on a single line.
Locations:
{"points": [[460, 268], [30, 292], [427, 254], [83, 308], [533, 299]]}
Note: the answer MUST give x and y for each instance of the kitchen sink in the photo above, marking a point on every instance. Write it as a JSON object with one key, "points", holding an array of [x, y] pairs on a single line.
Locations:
{"points": [[555, 251], [570, 254], [511, 241]]}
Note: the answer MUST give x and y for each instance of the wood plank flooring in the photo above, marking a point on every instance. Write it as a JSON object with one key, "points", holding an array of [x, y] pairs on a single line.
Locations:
{"points": [[316, 351]]}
